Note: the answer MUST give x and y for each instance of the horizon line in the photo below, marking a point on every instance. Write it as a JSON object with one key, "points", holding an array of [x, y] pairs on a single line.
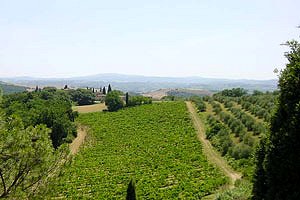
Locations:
{"points": [[140, 75]]}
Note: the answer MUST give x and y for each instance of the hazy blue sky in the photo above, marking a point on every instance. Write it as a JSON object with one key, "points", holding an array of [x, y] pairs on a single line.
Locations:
{"points": [[229, 39]]}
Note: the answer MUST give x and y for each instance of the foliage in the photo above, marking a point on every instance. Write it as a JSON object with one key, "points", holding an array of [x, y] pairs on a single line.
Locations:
{"points": [[26, 156], [242, 191], [199, 103], [113, 101], [216, 107], [257, 92], [82, 96], [234, 92], [240, 151], [126, 99], [138, 100], [235, 131], [109, 88], [281, 156], [50, 107], [155, 143], [169, 98], [250, 123], [218, 133]]}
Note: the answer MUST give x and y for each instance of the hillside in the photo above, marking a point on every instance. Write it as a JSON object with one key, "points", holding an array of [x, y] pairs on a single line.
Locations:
{"points": [[154, 144], [10, 88], [178, 92], [144, 84]]}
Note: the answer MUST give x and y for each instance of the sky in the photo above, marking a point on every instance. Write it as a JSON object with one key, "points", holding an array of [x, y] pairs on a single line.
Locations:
{"points": [[207, 38]]}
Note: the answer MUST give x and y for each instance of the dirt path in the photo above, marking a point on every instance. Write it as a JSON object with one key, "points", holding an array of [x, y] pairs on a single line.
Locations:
{"points": [[208, 149], [78, 141]]}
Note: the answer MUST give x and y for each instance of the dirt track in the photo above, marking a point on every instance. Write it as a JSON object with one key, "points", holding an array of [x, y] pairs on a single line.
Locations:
{"points": [[78, 141], [208, 150]]}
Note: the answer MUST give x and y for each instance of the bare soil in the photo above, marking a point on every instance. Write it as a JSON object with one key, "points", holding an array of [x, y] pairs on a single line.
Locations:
{"points": [[79, 140]]}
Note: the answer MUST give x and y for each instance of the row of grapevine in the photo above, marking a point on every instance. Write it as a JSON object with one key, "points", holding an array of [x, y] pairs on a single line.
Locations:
{"points": [[155, 144]]}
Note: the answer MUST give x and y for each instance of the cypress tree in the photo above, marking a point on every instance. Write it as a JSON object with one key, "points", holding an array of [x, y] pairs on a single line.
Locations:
{"points": [[109, 88], [93, 90], [103, 90], [131, 195], [36, 89], [127, 98], [281, 164]]}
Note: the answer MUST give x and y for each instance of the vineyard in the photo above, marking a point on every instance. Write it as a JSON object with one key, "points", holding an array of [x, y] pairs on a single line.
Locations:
{"points": [[156, 145], [234, 125]]}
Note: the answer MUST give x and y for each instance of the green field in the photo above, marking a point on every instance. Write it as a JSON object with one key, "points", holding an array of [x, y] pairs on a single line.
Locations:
{"points": [[154, 144]]}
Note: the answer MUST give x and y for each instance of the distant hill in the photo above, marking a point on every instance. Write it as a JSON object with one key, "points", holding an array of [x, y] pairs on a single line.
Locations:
{"points": [[144, 84], [158, 94], [10, 88]]}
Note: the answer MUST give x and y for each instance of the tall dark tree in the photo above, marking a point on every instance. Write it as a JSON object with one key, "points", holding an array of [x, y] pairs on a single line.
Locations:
{"points": [[259, 187], [93, 90], [104, 90], [127, 98], [109, 88], [36, 88], [65, 87], [281, 162], [131, 195]]}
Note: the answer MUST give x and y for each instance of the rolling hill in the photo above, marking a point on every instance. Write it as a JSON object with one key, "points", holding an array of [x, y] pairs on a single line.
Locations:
{"points": [[10, 88]]}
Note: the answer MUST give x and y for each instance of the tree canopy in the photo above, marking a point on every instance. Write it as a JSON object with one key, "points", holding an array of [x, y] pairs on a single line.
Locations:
{"points": [[278, 159], [50, 107], [113, 101], [234, 92], [26, 155], [82, 96]]}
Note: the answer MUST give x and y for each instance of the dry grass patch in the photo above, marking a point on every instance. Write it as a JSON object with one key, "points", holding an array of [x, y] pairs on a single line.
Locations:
{"points": [[90, 108]]}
